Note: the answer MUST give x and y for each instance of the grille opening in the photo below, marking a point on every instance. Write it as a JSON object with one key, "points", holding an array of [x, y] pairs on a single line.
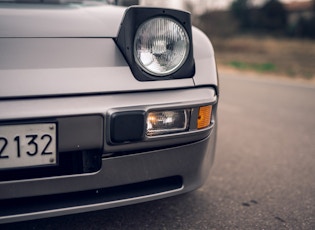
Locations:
{"points": [[68, 163], [75, 199]]}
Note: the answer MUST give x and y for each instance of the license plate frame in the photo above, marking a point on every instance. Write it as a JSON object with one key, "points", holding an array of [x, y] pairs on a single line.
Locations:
{"points": [[28, 145]]}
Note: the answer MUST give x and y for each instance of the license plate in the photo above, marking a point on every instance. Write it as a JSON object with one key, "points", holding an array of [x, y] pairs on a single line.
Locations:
{"points": [[28, 145]]}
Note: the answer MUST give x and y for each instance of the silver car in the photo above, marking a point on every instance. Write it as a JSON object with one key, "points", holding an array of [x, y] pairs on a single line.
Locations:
{"points": [[101, 106]]}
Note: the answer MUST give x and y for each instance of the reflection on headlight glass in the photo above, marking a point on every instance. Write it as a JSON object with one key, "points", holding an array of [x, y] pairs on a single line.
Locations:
{"points": [[161, 46]]}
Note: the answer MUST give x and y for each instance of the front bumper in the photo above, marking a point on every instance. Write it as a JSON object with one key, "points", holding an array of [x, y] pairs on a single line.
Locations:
{"points": [[129, 173]]}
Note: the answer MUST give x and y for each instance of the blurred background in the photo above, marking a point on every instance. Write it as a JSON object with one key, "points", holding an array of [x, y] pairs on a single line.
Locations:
{"points": [[276, 37]]}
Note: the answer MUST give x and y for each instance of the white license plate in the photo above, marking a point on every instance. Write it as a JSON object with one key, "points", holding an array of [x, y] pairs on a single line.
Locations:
{"points": [[28, 145]]}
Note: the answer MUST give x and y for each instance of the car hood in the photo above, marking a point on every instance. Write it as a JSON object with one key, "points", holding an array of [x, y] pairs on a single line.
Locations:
{"points": [[65, 20], [56, 50]]}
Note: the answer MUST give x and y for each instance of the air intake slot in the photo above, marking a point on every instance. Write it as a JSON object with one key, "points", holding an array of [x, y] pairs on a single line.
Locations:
{"points": [[102, 195]]}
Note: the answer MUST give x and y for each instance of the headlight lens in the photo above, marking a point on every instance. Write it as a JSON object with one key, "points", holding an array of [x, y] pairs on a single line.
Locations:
{"points": [[161, 46]]}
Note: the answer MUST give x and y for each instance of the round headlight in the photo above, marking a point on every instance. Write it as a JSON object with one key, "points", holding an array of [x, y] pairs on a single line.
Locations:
{"points": [[161, 46]]}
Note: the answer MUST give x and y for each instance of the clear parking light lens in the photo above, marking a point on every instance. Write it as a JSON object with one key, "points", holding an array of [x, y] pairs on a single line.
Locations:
{"points": [[161, 46], [166, 122]]}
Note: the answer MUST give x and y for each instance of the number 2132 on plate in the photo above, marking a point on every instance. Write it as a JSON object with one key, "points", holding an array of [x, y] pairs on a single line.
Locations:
{"points": [[28, 145]]}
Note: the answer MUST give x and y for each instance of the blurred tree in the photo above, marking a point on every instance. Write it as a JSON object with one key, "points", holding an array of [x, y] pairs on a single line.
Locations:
{"points": [[241, 11], [273, 16], [127, 2], [305, 28], [305, 25]]}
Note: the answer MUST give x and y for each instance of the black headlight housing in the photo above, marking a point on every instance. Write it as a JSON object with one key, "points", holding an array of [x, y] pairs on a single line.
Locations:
{"points": [[165, 22]]}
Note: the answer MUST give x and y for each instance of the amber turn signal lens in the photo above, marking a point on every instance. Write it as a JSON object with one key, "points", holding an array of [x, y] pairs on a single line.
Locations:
{"points": [[204, 116]]}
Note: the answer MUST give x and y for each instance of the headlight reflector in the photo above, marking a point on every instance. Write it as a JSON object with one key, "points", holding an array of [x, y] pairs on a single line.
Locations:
{"points": [[165, 122], [161, 46]]}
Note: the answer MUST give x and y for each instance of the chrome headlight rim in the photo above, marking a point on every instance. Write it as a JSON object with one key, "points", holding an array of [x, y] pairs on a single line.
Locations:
{"points": [[164, 40]]}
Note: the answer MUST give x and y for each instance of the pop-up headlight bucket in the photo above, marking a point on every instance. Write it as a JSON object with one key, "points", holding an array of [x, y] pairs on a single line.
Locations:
{"points": [[157, 43]]}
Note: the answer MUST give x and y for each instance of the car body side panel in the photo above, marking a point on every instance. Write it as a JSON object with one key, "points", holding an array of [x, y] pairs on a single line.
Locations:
{"points": [[206, 69]]}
